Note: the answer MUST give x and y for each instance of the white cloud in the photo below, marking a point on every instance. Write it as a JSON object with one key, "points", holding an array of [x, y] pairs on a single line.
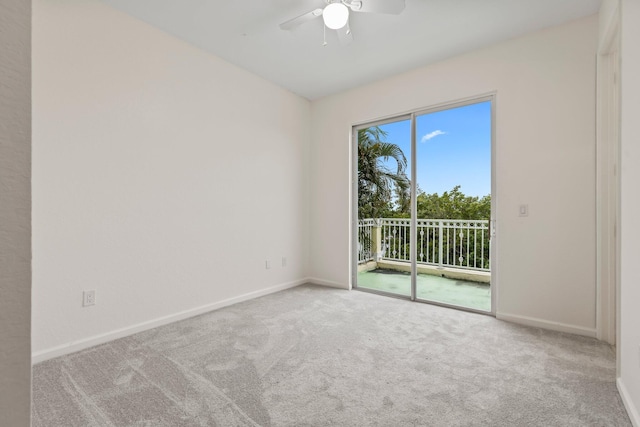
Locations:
{"points": [[432, 135]]}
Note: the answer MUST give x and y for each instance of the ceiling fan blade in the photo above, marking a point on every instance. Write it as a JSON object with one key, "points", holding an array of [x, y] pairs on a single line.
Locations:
{"points": [[298, 20], [345, 35], [392, 7]]}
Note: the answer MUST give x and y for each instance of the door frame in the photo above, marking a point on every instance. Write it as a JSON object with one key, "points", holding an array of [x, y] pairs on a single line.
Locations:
{"points": [[412, 115], [608, 183]]}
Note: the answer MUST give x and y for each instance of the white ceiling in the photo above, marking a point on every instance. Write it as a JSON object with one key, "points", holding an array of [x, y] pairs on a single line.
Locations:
{"points": [[246, 33]]}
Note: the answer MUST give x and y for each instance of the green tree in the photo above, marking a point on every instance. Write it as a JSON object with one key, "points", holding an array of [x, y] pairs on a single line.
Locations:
{"points": [[377, 184], [453, 205]]}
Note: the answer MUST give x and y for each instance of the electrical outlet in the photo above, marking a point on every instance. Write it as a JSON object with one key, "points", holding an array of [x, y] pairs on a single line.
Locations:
{"points": [[88, 298], [267, 265], [284, 261]]}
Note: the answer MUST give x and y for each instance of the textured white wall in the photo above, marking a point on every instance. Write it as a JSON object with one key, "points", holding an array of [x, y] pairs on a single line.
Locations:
{"points": [[629, 345], [15, 212], [545, 85], [163, 177]]}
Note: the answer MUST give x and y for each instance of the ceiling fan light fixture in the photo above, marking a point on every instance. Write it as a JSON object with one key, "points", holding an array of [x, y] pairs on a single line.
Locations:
{"points": [[335, 16]]}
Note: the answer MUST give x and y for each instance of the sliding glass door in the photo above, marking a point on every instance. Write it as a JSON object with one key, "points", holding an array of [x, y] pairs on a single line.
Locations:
{"points": [[422, 222]]}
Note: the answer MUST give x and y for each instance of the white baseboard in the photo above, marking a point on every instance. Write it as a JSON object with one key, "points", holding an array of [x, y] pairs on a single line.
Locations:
{"points": [[546, 324], [634, 415], [322, 282], [61, 350]]}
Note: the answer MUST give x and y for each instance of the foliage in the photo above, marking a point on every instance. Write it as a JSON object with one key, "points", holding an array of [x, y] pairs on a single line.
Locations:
{"points": [[376, 182], [453, 205]]}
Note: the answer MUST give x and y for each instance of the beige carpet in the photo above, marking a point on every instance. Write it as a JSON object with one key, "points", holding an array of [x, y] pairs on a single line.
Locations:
{"points": [[313, 356]]}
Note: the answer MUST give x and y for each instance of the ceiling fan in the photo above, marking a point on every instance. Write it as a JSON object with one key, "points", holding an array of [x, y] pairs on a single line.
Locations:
{"points": [[336, 14]]}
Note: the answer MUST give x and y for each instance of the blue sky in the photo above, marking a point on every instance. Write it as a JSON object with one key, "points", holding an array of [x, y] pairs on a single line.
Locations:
{"points": [[453, 148]]}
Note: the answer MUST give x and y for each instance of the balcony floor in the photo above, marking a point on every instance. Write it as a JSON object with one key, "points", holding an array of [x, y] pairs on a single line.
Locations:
{"points": [[433, 288]]}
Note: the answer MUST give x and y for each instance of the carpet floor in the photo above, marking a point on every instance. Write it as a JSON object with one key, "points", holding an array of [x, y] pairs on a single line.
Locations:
{"points": [[315, 356]]}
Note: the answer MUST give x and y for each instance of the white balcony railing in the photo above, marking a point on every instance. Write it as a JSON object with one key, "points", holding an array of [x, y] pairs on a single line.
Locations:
{"points": [[440, 242], [365, 240]]}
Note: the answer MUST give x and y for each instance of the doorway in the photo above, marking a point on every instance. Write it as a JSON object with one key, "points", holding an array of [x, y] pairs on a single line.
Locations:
{"points": [[423, 205]]}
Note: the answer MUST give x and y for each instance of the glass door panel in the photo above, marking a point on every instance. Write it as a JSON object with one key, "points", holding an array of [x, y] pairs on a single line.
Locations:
{"points": [[384, 204], [453, 200]]}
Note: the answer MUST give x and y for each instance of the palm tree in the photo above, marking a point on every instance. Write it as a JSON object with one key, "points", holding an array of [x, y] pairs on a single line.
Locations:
{"points": [[376, 182]]}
